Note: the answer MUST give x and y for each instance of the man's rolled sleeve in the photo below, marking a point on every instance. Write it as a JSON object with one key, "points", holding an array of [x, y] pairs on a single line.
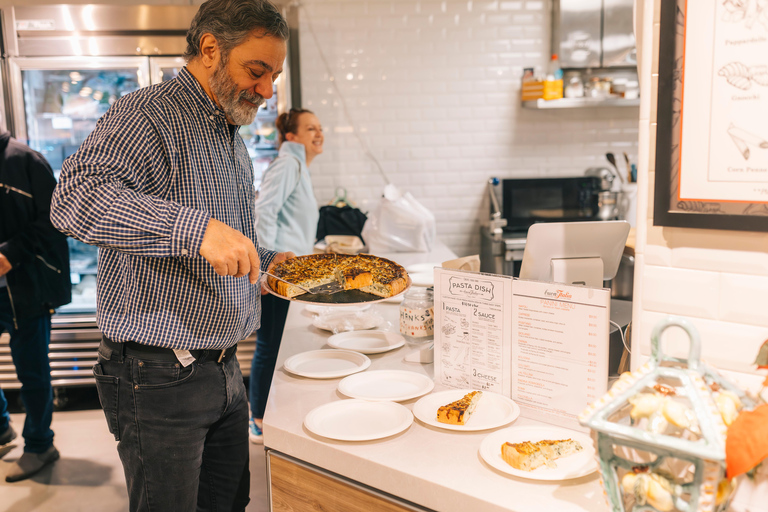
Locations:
{"points": [[188, 231]]}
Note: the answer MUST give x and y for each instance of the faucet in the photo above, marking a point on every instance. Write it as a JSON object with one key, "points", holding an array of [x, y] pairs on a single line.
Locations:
{"points": [[496, 221]]}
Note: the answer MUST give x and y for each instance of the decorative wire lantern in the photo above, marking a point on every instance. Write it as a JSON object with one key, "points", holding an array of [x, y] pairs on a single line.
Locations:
{"points": [[660, 432]]}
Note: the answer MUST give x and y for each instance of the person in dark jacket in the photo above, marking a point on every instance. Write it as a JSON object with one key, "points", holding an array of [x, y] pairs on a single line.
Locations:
{"points": [[34, 279]]}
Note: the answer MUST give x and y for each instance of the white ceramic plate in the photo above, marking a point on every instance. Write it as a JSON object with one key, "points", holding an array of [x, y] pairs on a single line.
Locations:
{"points": [[423, 267], [358, 420], [386, 385], [323, 310], [425, 279], [367, 342], [493, 410], [579, 464], [348, 321], [326, 364]]}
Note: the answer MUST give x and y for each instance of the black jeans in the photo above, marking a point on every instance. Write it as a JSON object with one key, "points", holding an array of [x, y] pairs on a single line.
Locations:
{"points": [[274, 311], [182, 432], [29, 351]]}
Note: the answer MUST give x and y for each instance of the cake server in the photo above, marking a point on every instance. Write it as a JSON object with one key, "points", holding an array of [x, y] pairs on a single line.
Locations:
{"points": [[323, 289], [305, 290]]}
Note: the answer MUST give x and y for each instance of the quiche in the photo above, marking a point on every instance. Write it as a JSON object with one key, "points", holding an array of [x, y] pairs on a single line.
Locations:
{"points": [[364, 272], [528, 456], [458, 412]]}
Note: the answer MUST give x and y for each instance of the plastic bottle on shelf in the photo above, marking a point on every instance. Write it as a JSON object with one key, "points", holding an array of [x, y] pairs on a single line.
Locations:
{"points": [[553, 85], [553, 69]]}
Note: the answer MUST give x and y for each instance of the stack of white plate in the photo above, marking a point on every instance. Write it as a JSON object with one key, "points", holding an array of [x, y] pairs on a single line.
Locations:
{"points": [[326, 364], [367, 342], [422, 274], [386, 385]]}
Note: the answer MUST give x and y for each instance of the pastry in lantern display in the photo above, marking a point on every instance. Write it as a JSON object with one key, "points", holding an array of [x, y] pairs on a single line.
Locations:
{"points": [[662, 432], [651, 489]]}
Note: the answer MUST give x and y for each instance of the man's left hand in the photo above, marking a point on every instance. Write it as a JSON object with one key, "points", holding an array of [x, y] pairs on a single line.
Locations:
{"points": [[5, 265], [279, 257]]}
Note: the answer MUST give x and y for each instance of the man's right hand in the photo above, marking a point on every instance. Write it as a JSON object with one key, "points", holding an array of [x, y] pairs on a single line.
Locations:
{"points": [[230, 252]]}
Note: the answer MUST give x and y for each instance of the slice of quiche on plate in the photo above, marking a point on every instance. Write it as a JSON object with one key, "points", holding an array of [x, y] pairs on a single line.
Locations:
{"points": [[540, 452], [465, 410]]}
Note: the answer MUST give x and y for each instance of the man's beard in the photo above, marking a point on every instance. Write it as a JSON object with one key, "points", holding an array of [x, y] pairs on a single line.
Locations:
{"points": [[224, 89]]}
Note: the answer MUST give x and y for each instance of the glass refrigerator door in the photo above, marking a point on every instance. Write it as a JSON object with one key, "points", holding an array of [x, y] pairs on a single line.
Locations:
{"points": [[57, 102], [260, 137], [164, 68]]}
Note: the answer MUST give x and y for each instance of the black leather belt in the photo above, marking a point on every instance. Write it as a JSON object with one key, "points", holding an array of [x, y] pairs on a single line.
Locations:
{"points": [[150, 353]]}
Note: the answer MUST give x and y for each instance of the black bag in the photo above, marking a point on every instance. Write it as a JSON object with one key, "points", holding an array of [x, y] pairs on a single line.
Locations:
{"points": [[340, 220]]}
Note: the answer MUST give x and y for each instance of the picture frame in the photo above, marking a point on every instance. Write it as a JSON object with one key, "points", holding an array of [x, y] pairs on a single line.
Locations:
{"points": [[669, 208]]}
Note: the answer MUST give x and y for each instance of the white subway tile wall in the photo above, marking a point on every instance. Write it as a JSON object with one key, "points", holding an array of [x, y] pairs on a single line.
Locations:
{"points": [[432, 88], [715, 279]]}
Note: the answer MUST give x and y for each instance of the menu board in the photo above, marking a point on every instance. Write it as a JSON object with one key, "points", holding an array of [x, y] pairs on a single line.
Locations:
{"points": [[545, 345], [473, 337], [560, 349]]}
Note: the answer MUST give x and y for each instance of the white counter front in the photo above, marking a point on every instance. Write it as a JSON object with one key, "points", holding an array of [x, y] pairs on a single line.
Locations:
{"points": [[434, 468]]}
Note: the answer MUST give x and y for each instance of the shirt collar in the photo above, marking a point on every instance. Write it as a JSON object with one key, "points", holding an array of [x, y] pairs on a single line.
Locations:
{"points": [[294, 149], [196, 89]]}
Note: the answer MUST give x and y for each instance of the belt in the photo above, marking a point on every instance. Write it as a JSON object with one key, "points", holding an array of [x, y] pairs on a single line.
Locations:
{"points": [[151, 353]]}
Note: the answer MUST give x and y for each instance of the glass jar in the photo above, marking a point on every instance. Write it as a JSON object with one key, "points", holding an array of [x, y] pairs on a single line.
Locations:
{"points": [[417, 317], [574, 87], [592, 88], [606, 84]]}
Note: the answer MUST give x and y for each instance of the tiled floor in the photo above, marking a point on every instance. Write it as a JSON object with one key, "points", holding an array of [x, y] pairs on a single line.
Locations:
{"points": [[89, 476]]}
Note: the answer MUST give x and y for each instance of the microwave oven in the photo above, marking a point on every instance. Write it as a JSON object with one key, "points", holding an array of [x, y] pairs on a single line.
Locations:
{"points": [[532, 200]]}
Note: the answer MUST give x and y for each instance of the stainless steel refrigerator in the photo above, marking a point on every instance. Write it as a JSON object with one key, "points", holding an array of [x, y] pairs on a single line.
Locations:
{"points": [[66, 64]]}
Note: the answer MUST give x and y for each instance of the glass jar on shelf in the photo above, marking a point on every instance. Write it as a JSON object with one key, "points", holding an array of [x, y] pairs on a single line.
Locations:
{"points": [[417, 317], [592, 87], [606, 85], [574, 86]]}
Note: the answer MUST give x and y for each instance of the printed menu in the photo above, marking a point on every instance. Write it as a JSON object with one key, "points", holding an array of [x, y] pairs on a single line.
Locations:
{"points": [[560, 349], [472, 337], [545, 345]]}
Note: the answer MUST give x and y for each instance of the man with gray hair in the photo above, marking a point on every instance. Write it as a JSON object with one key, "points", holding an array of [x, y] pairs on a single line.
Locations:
{"points": [[164, 187]]}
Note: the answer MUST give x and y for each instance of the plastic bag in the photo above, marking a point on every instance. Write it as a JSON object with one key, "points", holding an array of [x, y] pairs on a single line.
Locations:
{"points": [[399, 224]]}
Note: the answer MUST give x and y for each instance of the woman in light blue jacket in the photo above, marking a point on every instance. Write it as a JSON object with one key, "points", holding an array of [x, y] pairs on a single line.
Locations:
{"points": [[287, 216]]}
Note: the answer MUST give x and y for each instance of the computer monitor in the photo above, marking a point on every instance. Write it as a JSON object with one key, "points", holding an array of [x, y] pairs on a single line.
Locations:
{"points": [[585, 253]]}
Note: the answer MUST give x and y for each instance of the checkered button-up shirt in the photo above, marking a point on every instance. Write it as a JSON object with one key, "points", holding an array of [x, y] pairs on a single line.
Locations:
{"points": [[159, 164]]}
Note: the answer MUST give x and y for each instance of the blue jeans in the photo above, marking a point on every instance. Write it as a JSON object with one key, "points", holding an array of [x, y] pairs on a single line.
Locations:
{"points": [[182, 431], [273, 314], [29, 351]]}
